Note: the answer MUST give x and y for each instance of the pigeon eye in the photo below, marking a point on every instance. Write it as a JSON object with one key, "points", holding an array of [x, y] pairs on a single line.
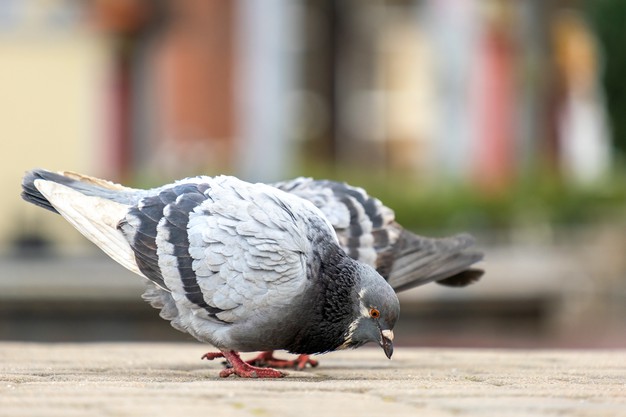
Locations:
{"points": [[374, 313]]}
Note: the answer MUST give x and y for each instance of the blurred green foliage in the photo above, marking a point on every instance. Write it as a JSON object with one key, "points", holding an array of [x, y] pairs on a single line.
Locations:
{"points": [[447, 207]]}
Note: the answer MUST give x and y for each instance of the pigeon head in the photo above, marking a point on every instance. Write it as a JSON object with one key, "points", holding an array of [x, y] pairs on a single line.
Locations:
{"points": [[376, 314], [348, 305]]}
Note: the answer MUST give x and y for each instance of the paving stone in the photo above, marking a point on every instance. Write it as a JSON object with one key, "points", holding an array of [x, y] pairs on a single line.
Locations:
{"points": [[152, 379]]}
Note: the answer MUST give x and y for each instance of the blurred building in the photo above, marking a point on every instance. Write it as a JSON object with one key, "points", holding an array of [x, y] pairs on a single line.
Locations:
{"points": [[479, 92], [430, 94], [54, 104]]}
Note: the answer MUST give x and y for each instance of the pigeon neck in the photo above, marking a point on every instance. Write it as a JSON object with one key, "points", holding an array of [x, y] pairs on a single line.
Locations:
{"points": [[330, 305]]}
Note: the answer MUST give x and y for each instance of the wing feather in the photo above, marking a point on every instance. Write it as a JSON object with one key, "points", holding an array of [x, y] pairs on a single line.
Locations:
{"points": [[247, 249], [222, 247], [368, 232]]}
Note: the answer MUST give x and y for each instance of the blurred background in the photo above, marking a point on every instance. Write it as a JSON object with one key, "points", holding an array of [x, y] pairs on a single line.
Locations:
{"points": [[503, 118]]}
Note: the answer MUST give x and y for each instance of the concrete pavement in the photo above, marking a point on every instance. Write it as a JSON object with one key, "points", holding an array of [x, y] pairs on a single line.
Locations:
{"points": [[153, 379]]}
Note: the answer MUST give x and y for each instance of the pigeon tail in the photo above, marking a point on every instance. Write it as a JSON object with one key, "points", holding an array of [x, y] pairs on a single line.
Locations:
{"points": [[94, 207], [30, 192], [86, 185], [446, 261]]}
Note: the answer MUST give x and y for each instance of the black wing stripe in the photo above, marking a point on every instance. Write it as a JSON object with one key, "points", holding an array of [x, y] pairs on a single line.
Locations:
{"points": [[151, 209], [177, 218], [369, 204], [355, 229], [141, 232]]}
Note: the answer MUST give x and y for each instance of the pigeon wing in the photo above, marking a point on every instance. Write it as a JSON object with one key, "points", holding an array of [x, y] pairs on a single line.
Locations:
{"points": [[368, 232], [360, 221], [418, 260], [224, 249]]}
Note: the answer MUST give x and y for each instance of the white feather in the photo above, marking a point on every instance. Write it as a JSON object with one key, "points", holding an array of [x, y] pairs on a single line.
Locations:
{"points": [[96, 218]]}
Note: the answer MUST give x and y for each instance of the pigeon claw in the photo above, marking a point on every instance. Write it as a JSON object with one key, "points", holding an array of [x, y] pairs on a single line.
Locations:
{"points": [[267, 359], [240, 368], [209, 356], [304, 360], [249, 371]]}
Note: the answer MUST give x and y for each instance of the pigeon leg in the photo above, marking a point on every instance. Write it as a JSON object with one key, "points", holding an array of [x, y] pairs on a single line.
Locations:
{"points": [[241, 368], [267, 359]]}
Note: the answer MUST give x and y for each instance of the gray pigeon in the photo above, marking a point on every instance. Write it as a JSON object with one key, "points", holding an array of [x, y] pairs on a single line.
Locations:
{"points": [[244, 267], [368, 232]]}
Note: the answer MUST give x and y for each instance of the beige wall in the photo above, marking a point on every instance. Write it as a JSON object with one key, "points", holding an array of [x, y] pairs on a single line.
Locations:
{"points": [[52, 114]]}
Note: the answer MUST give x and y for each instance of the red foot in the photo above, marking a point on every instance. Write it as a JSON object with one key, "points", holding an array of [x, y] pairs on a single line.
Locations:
{"points": [[241, 368], [267, 358]]}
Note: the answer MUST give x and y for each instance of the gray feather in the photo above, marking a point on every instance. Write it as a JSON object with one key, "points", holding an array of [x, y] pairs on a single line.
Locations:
{"points": [[369, 233], [419, 260]]}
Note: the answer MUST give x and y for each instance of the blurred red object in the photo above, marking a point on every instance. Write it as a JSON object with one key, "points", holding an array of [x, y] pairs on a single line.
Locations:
{"points": [[121, 16]]}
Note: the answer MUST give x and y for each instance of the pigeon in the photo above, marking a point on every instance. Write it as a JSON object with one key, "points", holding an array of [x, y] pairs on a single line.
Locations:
{"points": [[367, 232], [243, 267]]}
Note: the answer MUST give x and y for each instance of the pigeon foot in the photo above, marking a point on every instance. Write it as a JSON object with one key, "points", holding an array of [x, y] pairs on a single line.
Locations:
{"points": [[241, 368], [267, 359]]}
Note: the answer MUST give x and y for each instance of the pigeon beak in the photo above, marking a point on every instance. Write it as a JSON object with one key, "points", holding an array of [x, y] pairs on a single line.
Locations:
{"points": [[387, 342]]}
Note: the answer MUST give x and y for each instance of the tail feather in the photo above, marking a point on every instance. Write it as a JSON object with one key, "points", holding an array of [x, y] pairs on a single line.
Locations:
{"points": [[30, 192], [93, 210], [88, 186], [447, 261]]}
